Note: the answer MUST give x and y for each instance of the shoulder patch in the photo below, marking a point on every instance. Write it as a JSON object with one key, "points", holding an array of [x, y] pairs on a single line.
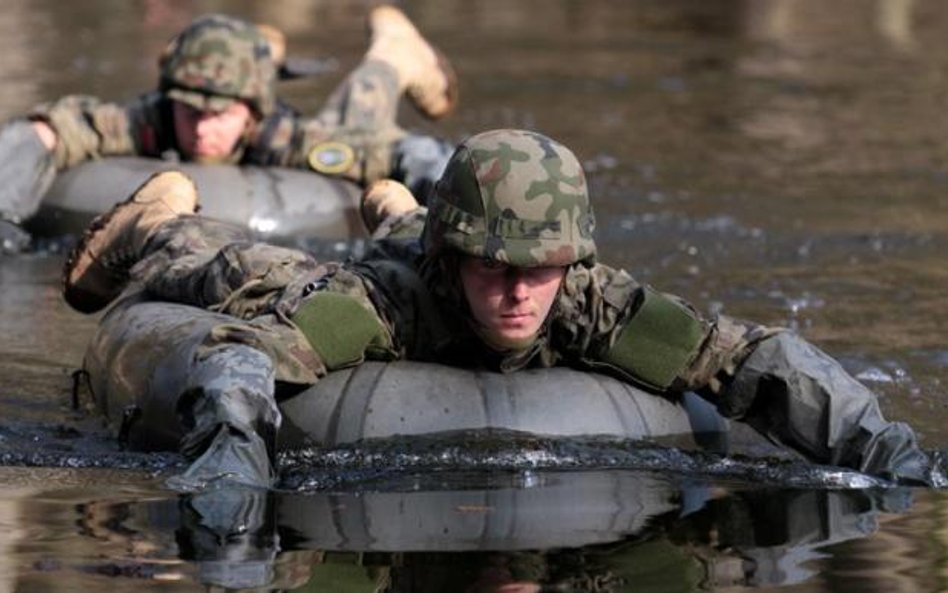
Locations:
{"points": [[331, 158]]}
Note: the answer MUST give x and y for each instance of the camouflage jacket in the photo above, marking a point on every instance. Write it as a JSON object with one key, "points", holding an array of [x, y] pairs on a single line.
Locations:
{"points": [[419, 304], [88, 128]]}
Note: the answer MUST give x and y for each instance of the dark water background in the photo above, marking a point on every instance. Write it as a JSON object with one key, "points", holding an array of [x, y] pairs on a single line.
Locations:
{"points": [[782, 160]]}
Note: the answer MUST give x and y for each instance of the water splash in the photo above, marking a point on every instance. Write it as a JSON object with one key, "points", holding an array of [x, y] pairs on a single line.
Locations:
{"points": [[383, 462]]}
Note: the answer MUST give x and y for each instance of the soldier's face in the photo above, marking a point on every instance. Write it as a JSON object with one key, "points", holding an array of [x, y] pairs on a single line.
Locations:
{"points": [[509, 303], [210, 136]]}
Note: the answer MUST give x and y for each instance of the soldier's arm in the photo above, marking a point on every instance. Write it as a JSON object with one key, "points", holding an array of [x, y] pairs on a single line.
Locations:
{"points": [[84, 128], [289, 140], [46, 134], [652, 339], [63, 133], [768, 377], [276, 141]]}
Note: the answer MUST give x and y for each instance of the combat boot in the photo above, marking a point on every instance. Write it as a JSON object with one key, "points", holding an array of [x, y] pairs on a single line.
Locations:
{"points": [[383, 199], [424, 73], [97, 268], [276, 40]]}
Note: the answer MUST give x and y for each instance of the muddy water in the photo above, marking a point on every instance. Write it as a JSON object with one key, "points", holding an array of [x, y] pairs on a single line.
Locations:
{"points": [[782, 160]]}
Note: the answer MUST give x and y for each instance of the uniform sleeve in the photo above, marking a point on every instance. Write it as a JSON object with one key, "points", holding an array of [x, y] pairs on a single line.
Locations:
{"points": [[768, 377], [287, 139], [88, 128], [655, 340]]}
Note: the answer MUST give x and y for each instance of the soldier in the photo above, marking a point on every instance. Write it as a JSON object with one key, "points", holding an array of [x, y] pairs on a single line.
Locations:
{"points": [[499, 272], [216, 103]]}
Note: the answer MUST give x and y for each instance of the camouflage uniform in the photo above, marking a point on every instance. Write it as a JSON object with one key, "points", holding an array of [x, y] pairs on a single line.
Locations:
{"points": [[360, 114], [354, 136], [403, 301]]}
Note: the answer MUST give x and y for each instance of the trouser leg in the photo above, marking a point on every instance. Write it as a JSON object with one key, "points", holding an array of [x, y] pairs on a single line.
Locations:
{"points": [[361, 113], [804, 399], [176, 256], [355, 131], [242, 278], [232, 419], [99, 267], [185, 242], [367, 99]]}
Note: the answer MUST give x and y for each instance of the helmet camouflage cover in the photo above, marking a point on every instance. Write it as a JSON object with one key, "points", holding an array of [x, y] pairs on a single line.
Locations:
{"points": [[515, 197], [216, 60]]}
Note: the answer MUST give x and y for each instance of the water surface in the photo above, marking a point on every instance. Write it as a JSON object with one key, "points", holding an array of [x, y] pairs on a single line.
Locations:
{"points": [[781, 160]]}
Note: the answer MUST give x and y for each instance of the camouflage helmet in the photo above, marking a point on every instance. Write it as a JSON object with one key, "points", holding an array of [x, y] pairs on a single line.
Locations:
{"points": [[217, 60], [515, 197]]}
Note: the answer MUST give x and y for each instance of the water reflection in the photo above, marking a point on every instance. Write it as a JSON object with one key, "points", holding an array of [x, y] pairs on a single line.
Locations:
{"points": [[571, 531]]}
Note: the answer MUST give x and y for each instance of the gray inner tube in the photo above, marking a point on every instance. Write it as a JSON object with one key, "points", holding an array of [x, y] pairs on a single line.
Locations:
{"points": [[140, 356], [276, 202]]}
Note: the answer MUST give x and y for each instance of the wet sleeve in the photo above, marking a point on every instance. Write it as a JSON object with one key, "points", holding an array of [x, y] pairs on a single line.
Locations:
{"points": [[335, 326], [26, 170], [87, 128], [797, 395]]}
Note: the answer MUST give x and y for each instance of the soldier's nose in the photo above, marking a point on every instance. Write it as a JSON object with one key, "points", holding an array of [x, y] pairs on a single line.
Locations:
{"points": [[517, 287]]}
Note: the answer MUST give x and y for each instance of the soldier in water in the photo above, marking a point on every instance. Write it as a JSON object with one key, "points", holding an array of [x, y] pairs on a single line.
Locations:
{"points": [[216, 103], [500, 272]]}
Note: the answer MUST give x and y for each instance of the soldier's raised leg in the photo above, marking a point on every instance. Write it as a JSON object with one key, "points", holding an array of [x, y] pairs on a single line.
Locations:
{"points": [[356, 133], [227, 404], [143, 236]]}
